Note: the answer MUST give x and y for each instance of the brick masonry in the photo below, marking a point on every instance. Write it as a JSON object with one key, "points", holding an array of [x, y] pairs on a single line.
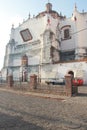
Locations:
{"points": [[68, 89], [10, 81], [33, 81]]}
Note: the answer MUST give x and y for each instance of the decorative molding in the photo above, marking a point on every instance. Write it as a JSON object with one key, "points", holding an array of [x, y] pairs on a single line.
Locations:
{"points": [[69, 26]]}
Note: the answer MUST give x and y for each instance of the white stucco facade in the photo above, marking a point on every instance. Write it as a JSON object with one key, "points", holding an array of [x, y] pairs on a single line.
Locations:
{"points": [[52, 43]]}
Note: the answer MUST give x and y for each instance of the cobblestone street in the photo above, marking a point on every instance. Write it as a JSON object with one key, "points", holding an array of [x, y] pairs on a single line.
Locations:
{"points": [[26, 112]]}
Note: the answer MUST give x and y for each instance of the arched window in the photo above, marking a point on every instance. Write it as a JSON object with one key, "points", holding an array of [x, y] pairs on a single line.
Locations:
{"points": [[24, 60], [66, 32]]}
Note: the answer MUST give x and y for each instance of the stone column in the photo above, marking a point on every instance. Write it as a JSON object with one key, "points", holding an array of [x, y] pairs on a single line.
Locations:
{"points": [[10, 81], [68, 85], [33, 81]]}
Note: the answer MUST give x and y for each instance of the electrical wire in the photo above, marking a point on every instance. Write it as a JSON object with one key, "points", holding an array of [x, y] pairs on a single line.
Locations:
{"points": [[79, 31]]}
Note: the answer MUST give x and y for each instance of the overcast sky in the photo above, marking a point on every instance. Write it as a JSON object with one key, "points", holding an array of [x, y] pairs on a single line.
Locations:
{"points": [[14, 11]]}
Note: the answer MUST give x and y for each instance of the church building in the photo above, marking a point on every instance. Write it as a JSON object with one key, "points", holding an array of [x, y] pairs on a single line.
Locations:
{"points": [[48, 45]]}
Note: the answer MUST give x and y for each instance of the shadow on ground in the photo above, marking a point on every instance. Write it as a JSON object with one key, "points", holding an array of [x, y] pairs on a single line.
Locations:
{"points": [[8, 122], [82, 94]]}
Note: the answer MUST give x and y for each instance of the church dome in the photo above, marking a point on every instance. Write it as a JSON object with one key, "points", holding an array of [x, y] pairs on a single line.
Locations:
{"points": [[48, 10]]}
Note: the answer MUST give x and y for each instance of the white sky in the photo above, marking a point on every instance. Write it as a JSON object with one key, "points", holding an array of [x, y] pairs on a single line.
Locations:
{"points": [[14, 11]]}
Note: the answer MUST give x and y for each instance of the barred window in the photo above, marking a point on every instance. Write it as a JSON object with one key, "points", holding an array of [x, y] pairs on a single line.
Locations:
{"points": [[66, 34]]}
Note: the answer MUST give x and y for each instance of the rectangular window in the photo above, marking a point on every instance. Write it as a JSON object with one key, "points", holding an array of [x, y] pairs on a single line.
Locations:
{"points": [[26, 35], [67, 56]]}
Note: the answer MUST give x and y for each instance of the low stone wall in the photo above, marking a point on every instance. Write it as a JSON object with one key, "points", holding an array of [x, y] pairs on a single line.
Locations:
{"points": [[56, 89], [68, 89]]}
